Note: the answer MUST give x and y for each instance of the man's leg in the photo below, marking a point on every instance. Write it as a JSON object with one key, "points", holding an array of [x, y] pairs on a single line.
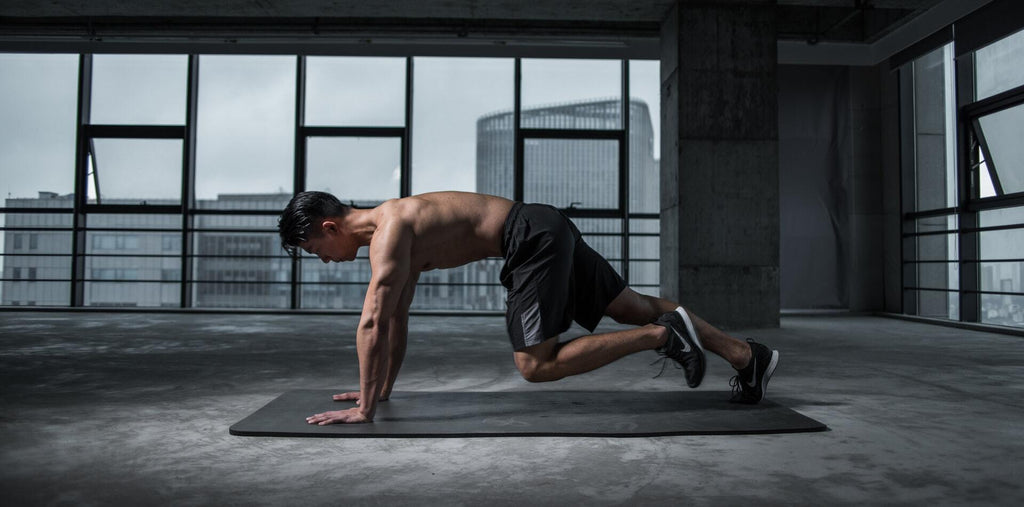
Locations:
{"points": [[551, 360], [754, 362], [631, 307]]}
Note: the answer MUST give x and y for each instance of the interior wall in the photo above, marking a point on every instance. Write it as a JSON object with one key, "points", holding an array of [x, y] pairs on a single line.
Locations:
{"points": [[814, 186]]}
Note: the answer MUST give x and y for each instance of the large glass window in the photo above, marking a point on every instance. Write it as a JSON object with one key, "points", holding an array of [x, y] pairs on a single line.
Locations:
{"points": [[997, 67], [644, 175], [963, 252], [350, 91], [997, 163], [139, 89], [934, 141], [134, 171], [456, 144], [931, 249], [359, 169], [38, 99], [246, 127], [139, 246], [571, 94], [572, 173]]}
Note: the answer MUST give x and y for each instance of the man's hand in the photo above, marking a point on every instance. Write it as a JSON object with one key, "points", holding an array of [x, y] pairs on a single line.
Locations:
{"points": [[350, 396], [352, 415]]}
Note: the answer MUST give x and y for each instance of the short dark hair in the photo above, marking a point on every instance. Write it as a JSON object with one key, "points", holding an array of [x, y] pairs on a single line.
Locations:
{"points": [[303, 213]]}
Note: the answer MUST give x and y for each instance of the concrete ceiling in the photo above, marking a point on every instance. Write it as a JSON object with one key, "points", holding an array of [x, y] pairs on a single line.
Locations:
{"points": [[811, 20]]}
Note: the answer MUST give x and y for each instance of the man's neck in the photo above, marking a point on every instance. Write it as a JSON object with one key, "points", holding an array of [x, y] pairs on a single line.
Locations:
{"points": [[360, 224]]}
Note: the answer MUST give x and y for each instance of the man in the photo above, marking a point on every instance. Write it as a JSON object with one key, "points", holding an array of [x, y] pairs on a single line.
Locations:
{"points": [[552, 275]]}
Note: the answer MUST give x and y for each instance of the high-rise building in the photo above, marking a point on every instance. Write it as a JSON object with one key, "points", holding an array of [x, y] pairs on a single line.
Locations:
{"points": [[571, 172]]}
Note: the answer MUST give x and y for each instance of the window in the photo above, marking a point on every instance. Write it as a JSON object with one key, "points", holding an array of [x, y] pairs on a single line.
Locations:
{"points": [[245, 129], [931, 251], [355, 91], [962, 243], [997, 67], [999, 152], [138, 89], [572, 173], [548, 83], [360, 169], [157, 233], [38, 97], [117, 166], [453, 98]]}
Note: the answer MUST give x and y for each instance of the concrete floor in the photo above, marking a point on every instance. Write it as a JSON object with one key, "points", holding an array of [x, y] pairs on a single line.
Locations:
{"points": [[134, 409]]}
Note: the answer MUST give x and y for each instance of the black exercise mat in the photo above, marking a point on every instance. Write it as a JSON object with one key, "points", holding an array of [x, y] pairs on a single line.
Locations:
{"points": [[529, 413]]}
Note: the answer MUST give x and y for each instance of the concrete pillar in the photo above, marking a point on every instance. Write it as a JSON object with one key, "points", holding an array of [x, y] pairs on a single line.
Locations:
{"points": [[719, 165]]}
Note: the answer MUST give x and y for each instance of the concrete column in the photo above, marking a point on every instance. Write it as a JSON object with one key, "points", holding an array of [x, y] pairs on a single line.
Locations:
{"points": [[719, 165]]}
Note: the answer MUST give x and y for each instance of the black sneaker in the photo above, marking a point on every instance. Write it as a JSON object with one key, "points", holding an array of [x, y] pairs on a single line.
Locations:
{"points": [[683, 345], [750, 383]]}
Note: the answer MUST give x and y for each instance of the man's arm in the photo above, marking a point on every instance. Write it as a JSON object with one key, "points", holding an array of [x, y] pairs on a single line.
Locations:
{"points": [[390, 254], [398, 335], [398, 332]]}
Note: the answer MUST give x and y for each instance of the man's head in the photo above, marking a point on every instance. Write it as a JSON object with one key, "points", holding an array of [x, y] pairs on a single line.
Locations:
{"points": [[304, 218]]}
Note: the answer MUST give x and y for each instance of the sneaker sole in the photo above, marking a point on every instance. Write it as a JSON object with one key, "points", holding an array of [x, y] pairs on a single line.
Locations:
{"points": [[696, 341], [768, 373]]}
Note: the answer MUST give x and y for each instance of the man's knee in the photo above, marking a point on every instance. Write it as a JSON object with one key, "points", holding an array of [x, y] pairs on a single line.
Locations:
{"points": [[535, 368], [529, 368]]}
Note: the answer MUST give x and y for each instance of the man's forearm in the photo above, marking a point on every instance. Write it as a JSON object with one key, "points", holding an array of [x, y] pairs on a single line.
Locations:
{"points": [[397, 333], [373, 365]]}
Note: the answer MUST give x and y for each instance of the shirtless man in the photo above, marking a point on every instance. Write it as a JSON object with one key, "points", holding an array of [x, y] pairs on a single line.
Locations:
{"points": [[552, 275]]}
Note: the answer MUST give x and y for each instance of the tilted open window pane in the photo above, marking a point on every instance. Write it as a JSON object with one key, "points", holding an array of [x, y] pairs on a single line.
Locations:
{"points": [[999, 135], [365, 170], [355, 92], [135, 171], [139, 89]]}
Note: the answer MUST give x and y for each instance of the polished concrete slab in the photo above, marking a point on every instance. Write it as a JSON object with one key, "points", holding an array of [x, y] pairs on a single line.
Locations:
{"points": [[133, 409]]}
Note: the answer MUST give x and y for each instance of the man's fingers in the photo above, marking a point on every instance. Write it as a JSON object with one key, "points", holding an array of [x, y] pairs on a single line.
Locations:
{"points": [[341, 416]]}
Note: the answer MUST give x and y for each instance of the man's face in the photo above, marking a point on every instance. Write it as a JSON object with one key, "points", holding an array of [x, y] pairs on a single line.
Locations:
{"points": [[330, 245]]}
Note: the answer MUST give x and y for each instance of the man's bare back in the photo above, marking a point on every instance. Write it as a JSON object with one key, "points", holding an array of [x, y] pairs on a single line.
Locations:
{"points": [[449, 228]]}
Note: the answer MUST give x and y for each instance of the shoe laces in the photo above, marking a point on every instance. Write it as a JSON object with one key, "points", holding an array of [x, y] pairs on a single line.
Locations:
{"points": [[737, 386], [664, 359]]}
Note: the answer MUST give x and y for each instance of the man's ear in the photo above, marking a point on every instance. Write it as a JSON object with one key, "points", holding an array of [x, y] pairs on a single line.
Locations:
{"points": [[328, 226]]}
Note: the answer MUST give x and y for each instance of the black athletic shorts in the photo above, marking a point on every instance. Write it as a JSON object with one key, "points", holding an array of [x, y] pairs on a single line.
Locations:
{"points": [[553, 277]]}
